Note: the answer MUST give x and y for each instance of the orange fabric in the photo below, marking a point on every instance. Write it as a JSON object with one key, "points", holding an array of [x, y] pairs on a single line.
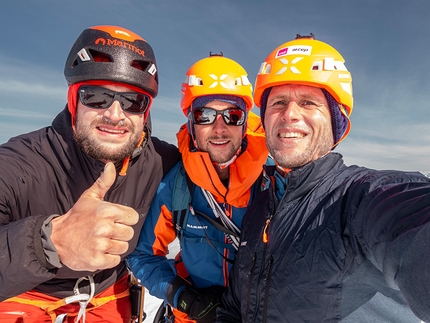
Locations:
{"points": [[243, 172], [164, 232], [111, 305], [181, 317]]}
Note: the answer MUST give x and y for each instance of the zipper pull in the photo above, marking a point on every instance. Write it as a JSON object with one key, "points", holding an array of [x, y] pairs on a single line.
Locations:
{"points": [[265, 236]]}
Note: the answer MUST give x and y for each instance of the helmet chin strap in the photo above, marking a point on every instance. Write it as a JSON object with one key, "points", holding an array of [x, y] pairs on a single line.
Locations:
{"points": [[229, 162]]}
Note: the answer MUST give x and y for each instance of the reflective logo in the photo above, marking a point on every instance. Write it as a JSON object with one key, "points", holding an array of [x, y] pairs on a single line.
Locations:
{"points": [[291, 66]]}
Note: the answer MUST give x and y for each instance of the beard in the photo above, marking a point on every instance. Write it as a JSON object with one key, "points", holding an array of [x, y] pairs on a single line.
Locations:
{"points": [[217, 156], [105, 150], [300, 157]]}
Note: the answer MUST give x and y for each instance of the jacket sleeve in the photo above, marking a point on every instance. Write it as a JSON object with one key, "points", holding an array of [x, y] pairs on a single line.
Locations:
{"points": [[23, 264], [148, 262], [392, 224]]}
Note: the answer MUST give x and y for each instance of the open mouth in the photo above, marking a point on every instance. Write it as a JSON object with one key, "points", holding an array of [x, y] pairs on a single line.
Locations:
{"points": [[292, 135], [112, 130]]}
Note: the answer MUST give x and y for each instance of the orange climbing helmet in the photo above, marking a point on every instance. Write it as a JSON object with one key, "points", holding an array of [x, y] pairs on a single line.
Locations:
{"points": [[307, 61], [215, 75]]}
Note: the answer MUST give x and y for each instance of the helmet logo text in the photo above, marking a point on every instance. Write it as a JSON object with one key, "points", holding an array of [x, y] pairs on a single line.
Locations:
{"points": [[119, 43], [294, 50]]}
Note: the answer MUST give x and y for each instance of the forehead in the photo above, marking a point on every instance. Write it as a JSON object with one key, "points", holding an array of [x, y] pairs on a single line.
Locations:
{"points": [[298, 90], [220, 105]]}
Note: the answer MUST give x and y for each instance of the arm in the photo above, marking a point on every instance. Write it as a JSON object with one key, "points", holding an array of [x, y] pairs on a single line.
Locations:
{"points": [[393, 226], [91, 235], [148, 262]]}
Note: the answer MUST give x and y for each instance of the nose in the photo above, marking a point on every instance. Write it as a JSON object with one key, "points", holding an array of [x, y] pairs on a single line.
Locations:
{"points": [[219, 125], [292, 112], [114, 112]]}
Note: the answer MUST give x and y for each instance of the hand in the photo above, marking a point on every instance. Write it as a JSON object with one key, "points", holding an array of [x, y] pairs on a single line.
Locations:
{"points": [[94, 234], [200, 303]]}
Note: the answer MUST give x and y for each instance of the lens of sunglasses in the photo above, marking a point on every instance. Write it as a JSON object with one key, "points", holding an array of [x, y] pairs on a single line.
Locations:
{"points": [[97, 97], [231, 116]]}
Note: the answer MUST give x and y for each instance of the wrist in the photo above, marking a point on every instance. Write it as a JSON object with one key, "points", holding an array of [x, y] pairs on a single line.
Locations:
{"points": [[175, 288]]}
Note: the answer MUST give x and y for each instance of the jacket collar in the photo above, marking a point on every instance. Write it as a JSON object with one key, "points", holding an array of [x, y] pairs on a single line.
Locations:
{"points": [[303, 179]]}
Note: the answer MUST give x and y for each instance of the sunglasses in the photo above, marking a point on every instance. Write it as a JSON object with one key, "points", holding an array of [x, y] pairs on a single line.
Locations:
{"points": [[98, 97], [205, 116]]}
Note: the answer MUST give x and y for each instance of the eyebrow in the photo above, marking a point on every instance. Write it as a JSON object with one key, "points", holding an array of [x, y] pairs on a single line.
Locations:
{"points": [[304, 96]]}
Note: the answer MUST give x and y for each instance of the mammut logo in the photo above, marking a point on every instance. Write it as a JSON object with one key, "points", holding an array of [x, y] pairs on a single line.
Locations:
{"points": [[119, 43]]}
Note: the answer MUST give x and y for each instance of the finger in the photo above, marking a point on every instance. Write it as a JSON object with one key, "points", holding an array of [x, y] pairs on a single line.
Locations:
{"points": [[103, 183], [122, 232], [117, 247], [119, 213]]}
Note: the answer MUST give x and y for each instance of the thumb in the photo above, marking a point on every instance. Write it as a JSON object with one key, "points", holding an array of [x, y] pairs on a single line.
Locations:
{"points": [[103, 183]]}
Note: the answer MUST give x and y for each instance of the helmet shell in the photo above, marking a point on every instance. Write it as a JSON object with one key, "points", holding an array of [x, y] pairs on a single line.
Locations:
{"points": [[306, 61], [212, 75], [115, 54]]}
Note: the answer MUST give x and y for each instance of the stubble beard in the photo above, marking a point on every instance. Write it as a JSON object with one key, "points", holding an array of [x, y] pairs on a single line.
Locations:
{"points": [[300, 157], [104, 150], [224, 156]]}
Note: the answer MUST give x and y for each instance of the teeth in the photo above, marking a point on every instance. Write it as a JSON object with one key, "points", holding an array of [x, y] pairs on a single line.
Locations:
{"points": [[291, 135], [219, 142], [112, 131]]}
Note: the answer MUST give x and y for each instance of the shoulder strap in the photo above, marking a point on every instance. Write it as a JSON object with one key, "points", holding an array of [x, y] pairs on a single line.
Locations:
{"points": [[181, 199]]}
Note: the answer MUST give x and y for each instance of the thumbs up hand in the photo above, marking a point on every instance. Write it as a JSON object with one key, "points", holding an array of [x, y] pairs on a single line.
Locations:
{"points": [[94, 234]]}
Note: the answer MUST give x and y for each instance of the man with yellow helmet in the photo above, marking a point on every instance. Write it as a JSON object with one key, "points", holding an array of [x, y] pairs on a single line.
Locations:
{"points": [[223, 151], [328, 242]]}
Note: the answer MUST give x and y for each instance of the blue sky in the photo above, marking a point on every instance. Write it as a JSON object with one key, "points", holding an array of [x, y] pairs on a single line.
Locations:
{"points": [[385, 44]]}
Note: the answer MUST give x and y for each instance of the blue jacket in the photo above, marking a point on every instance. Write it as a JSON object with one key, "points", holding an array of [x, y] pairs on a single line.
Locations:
{"points": [[346, 244], [204, 266]]}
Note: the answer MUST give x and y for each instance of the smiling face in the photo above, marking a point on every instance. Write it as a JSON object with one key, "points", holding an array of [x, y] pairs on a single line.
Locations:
{"points": [[108, 134], [298, 125], [218, 139]]}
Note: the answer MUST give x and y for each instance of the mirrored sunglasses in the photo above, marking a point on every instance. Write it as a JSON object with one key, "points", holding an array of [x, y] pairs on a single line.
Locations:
{"points": [[206, 116], [98, 97]]}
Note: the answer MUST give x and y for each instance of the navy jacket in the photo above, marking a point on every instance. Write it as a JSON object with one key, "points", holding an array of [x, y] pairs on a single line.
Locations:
{"points": [[346, 244]]}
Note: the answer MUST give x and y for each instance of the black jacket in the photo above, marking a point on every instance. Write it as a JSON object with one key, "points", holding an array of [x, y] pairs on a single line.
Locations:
{"points": [[44, 173], [344, 244]]}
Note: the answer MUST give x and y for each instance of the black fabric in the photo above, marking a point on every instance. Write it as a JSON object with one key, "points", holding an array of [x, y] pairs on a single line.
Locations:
{"points": [[44, 172], [344, 244]]}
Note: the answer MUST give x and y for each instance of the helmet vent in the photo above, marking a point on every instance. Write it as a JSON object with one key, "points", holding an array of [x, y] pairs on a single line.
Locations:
{"points": [[100, 57], [140, 65]]}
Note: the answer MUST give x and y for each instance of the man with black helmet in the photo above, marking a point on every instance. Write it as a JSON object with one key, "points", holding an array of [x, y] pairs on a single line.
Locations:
{"points": [[328, 242], [74, 194]]}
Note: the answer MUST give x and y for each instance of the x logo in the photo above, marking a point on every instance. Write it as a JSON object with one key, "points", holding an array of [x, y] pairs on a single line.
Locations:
{"points": [[293, 69]]}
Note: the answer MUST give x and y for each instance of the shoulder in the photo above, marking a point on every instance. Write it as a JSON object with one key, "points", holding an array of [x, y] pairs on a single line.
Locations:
{"points": [[168, 153]]}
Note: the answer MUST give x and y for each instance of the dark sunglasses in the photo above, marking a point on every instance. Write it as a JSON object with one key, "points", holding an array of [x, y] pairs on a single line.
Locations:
{"points": [[231, 116], [98, 97]]}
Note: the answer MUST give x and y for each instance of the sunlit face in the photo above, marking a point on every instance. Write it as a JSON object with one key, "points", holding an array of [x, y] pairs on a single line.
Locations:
{"points": [[220, 140], [298, 125], [108, 134]]}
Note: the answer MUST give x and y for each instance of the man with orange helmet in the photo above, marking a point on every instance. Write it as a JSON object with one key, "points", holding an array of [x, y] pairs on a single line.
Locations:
{"points": [[326, 242], [223, 151], [65, 230]]}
